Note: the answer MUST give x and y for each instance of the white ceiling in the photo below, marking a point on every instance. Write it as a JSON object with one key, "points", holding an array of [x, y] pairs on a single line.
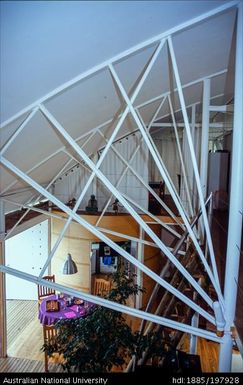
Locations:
{"points": [[44, 44]]}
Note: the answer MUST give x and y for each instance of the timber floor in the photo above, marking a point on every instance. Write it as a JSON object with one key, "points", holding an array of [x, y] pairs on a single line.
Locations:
{"points": [[207, 350], [209, 355], [22, 365], [20, 314], [24, 331], [24, 352]]}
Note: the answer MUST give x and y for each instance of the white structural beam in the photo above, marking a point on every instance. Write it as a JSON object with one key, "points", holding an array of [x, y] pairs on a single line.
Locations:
{"points": [[48, 186], [204, 146], [128, 166], [184, 173], [163, 272], [225, 108], [136, 174], [199, 102], [214, 277], [104, 124], [149, 141], [18, 131], [112, 305], [123, 201], [120, 250], [123, 55], [152, 216], [182, 125], [186, 85], [194, 129], [106, 149], [84, 190], [46, 159], [36, 200], [118, 182], [140, 123], [235, 207]]}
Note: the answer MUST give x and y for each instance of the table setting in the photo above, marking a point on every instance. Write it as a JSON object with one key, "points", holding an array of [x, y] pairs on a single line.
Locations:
{"points": [[61, 306]]}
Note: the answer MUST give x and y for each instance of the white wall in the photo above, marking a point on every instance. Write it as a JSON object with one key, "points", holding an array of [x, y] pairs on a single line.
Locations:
{"points": [[167, 148], [26, 251], [113, 167], [72, 183]]}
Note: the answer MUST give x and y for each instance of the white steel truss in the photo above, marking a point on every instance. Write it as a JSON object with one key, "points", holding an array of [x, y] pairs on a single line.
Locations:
{"points": [[122, 252], [168, 183], [158, 42]]}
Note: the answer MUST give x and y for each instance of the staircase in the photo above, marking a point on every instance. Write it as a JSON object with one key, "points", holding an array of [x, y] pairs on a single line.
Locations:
{"points": [[170, 306]]}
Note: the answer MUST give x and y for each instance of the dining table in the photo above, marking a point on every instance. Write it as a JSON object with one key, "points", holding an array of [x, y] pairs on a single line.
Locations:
{"points": [[65, 309]]}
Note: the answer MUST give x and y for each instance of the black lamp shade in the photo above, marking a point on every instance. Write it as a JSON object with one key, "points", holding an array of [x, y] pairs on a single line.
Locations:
{"points": [[69, 266]]}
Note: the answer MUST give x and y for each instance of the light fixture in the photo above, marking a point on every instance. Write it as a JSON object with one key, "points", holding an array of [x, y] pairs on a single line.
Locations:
{"points": [[69, 266]]}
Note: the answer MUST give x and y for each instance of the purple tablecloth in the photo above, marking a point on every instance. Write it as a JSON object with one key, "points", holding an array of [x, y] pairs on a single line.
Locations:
{"points": [[74, 311]]}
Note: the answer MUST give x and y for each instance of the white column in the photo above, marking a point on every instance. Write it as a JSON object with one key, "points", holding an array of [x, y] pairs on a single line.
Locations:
{"points": [[3, 333], [235, 209], [225, 354], [204, 146], [205, 132]]}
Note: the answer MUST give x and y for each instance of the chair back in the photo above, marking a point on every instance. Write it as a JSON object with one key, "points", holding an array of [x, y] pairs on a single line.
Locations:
{"points": [[49, 333], [45, 291], [101, 287]]}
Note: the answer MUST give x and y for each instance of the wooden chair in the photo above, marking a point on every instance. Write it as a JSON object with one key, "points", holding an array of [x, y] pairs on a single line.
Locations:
{"points": [[49, 333], [101, 287], [43, 291]]}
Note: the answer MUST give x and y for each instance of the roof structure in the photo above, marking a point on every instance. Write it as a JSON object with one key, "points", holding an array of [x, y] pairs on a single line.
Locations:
{"points": [[57, 41]]}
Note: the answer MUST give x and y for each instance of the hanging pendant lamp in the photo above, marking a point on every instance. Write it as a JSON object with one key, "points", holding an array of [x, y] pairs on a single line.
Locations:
{"points": [[69, 266]]}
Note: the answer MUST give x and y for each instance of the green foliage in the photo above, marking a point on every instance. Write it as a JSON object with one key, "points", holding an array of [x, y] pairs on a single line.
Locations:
{"points": [[103, 339]]}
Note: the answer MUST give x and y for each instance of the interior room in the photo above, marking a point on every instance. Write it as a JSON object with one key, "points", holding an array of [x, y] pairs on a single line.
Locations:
{"points": [[121, 172]]}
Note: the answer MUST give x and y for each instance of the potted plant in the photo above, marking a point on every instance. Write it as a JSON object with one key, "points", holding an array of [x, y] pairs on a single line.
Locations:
{"points": [[100, 341], [104, 341]]}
